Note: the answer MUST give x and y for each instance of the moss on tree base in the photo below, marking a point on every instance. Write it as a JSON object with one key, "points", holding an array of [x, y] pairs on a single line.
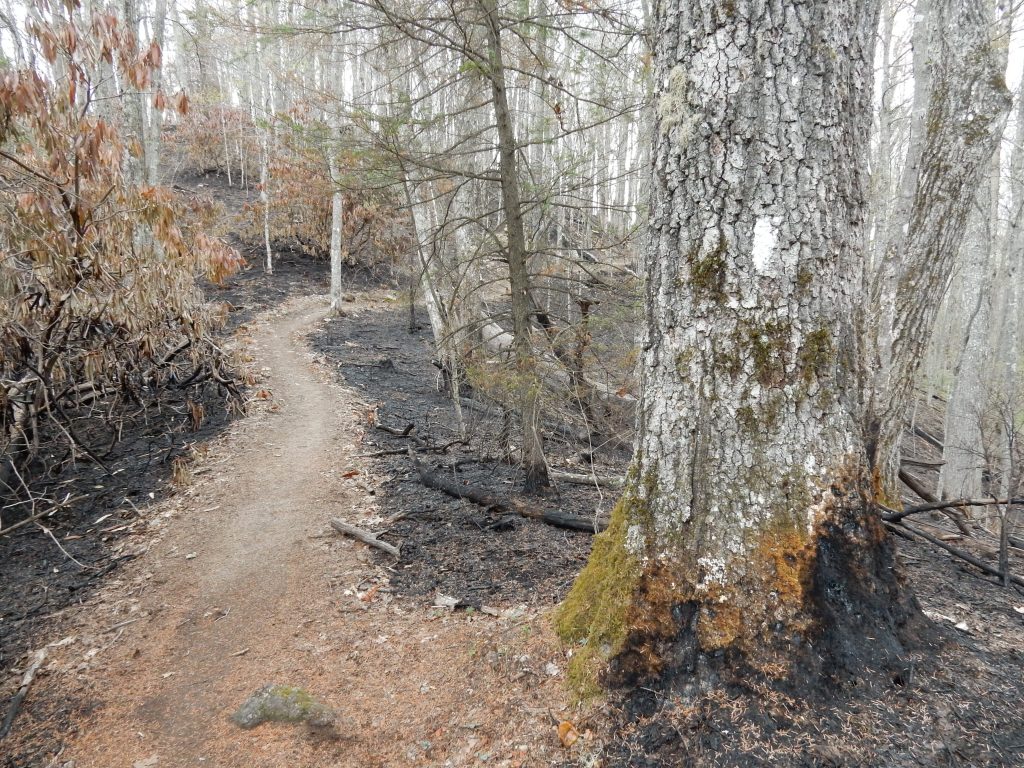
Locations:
{"points": [[812, 608], [593, 618]]}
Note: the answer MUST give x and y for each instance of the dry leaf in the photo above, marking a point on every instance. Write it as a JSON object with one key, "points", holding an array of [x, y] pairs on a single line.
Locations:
{"points": [[567, 733], [370, 593]]}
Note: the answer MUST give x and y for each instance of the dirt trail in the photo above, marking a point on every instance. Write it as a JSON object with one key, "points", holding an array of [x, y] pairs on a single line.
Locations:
{"points": [[247, 586]]}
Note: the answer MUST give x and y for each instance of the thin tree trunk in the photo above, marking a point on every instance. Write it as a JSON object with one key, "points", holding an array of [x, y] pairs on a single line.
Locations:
{"points": [[534, 464], [337, 227], [967, 107]]}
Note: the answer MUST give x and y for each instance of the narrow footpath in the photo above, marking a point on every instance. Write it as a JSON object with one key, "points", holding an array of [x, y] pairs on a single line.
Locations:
{"points": [[244, 585]]}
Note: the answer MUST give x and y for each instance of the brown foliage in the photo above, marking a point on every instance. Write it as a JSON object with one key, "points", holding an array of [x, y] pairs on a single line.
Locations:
{"points": [[97, 273]]}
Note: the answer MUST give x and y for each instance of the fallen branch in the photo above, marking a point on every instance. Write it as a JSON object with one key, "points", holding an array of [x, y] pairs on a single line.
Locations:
{"points": [[501, 504], [895, 517], [406, 432], [966, 556], [31, 519], [364, 536], [586, 479], [26, 683], [425, 448]]}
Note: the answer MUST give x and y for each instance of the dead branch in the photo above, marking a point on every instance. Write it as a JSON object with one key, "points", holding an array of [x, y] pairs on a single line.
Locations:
{"points": [[485, 499], [26, 683], [40, 515], [405, 432], [895, 517], [955, 551], [425, 448], [364, 536]]}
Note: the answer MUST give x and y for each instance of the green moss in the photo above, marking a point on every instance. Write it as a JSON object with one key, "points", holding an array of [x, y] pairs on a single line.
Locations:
{"points": [[816, 355], [707, 271], [683, 360], [759, 419], [768, 346], [283, 704], [747, 419], [594, 616]]}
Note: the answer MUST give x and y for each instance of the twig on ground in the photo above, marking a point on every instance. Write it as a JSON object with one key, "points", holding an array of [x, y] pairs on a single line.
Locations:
{"points": [[120, 624], [67, 554], [19, 697], [364, 536]]}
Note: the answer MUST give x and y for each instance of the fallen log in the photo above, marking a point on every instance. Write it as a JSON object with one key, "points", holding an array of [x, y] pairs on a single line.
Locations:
{"points": [[586, 479], [913, 484], [922, 464], [458, 490], [573, 522], [928, 437], [955, 551], [364, 536], [501, 504]]}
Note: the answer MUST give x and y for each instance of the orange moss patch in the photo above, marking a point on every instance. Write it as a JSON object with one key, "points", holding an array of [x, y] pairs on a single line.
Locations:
{"points": [[719, 624]]}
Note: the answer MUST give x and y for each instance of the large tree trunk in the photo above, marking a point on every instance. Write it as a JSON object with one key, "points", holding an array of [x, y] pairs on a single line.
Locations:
{"points": [[747, 535]]}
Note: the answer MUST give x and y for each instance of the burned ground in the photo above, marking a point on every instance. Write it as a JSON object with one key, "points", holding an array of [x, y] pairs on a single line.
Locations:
{"points": [[959, 702]]}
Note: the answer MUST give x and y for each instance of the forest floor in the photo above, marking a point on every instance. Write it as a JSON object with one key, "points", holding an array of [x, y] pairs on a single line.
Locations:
{"points": [[243, 583], [443, 656]]}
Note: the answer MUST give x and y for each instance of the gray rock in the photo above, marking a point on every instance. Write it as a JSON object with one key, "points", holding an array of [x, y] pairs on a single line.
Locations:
{"points": [[285, 704]]}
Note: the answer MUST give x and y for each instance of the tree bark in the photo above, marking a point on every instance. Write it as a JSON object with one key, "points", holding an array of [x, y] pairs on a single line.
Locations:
{"points": [[965, 451], [746, 536], [967, 107], [337, 232]]}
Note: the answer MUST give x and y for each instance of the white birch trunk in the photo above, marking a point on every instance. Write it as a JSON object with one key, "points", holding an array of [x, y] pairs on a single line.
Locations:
{"points": [[337, 227]]}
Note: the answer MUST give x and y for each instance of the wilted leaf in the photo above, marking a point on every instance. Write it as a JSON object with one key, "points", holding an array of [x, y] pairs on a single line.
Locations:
{"points": [[567, 733]]}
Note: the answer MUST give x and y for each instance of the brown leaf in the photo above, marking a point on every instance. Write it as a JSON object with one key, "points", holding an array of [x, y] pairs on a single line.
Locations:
{"points": [[567, 733]]}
